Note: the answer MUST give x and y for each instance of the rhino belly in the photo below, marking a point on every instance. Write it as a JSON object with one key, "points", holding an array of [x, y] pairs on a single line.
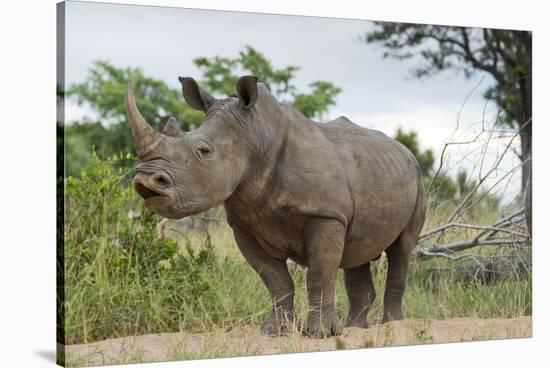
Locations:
{"points": [[369, 238], [380, 216]]}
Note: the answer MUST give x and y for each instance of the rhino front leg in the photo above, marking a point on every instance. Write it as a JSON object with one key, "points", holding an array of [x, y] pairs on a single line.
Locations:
{"points": [[274, 274], [324, 241]]}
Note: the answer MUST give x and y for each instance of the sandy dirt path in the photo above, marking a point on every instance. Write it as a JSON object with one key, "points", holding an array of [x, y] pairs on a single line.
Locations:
{"points": [[247, 340]]}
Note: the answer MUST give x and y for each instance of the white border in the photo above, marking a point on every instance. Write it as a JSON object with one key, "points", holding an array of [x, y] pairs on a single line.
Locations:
{"points": [[27, 236]]}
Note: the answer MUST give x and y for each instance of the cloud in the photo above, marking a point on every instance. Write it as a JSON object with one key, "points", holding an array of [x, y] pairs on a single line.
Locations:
{"points": [[377, 93]]}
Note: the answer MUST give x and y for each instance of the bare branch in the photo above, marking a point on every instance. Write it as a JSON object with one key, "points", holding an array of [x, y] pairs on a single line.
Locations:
{"points": [[426, 253], [469, 56], [460, 208], [466, 244], [495, 229]]}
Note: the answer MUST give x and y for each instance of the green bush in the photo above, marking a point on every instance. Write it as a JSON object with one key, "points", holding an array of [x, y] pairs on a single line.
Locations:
{"points": [[120, 280], [116, 271]]}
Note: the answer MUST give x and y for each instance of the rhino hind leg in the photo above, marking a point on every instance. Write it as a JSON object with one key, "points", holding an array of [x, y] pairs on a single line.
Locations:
{"points": [[399, 254], [398, 265], [361, 294]]}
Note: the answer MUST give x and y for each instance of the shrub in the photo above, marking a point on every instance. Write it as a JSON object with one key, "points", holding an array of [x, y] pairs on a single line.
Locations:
{"points": [[120, 280], [116, 272]]}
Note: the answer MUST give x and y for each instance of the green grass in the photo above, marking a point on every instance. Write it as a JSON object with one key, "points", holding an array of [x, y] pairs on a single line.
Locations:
{"points": [[120, 280]]}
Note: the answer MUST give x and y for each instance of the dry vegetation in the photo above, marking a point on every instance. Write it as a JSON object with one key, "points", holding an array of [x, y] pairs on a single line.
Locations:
{"points": [[127, 276]]}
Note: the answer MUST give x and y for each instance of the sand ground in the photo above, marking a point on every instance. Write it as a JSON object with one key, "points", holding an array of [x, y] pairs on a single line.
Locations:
{"points": [[247, 340]]}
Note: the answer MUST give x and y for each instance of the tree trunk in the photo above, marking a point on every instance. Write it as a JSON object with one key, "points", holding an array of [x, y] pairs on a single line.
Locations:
{"points": [[525, 118], [527, 175]]}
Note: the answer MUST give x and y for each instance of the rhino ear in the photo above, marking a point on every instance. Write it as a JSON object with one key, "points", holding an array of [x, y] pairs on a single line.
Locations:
{"points": [[172, 128], [195, 96], [247, 89]]}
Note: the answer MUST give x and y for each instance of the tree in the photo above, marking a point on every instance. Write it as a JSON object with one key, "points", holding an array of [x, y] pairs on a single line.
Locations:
{"points": [[105, 87], [425, 159], [443, 187], [220, 75], [503, 54], [316, 103]]}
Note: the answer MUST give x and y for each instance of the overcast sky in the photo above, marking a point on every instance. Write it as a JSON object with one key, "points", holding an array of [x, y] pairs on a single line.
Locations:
{"points": [[377, 93]]}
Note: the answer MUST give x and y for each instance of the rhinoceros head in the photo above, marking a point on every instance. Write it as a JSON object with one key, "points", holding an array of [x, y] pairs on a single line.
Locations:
{"points": [[183, 173]]}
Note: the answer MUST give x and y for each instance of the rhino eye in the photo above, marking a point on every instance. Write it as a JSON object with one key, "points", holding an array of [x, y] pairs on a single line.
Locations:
{"points": [[203, 151]]}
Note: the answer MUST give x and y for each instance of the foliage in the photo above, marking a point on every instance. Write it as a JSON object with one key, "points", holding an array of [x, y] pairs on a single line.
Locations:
{"points": [[220, 75], [504, 54], [425, 159], [111, 250], [105, 87], [121, 280], [316, 103], [444, 188], [104, 90], [100, 198]]}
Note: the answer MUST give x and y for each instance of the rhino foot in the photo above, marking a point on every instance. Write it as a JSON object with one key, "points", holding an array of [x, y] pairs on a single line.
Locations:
{"points": [[277, 324], [394, 314], [323, 326], [360, 324]]}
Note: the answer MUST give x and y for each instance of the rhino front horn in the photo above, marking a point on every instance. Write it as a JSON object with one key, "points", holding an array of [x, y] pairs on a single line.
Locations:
{"points": [[144, 135]]}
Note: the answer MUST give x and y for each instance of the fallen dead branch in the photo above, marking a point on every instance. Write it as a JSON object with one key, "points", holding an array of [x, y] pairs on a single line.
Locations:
{"points": [[499, 226], [484, 237], [487, 153]]}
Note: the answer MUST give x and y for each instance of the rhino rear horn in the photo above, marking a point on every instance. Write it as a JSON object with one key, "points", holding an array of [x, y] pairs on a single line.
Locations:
{"points": [[144, 135], [172, 128]]}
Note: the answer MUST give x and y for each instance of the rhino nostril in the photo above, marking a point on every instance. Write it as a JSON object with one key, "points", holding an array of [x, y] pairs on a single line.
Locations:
{"points": [[160, 179]]}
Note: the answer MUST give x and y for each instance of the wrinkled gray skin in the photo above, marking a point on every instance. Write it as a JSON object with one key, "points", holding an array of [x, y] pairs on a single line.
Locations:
{"points": [[327, 196]]}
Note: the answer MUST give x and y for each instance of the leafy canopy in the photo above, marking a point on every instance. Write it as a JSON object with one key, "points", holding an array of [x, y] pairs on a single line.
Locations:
{"points": [[425, 158], [105, 86], [504, 54], [220, 75]]}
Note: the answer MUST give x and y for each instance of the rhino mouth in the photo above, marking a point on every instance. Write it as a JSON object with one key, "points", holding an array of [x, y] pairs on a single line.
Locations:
{"points": [[148, 194]]}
